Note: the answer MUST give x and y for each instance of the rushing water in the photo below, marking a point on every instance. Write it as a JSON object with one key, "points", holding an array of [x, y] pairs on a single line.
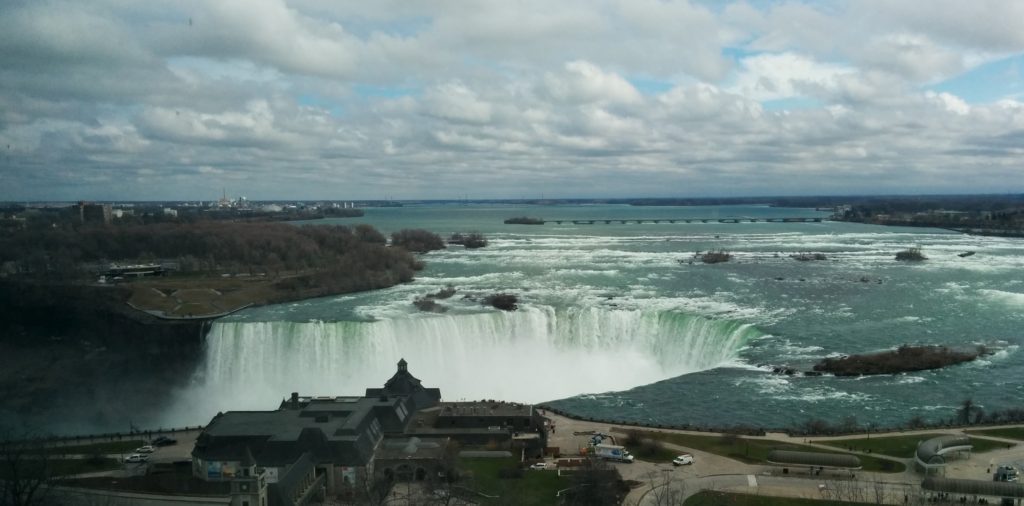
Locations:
{"points": [[615, 321]]}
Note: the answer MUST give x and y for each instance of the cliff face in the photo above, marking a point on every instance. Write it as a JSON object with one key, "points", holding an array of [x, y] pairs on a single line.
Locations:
{"points": [[77, 359]]}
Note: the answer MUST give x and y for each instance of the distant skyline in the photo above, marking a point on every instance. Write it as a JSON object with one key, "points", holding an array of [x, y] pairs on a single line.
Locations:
{"points": [[308, 99]]}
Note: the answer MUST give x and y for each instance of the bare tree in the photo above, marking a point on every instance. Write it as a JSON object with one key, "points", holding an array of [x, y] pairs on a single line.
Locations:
{"points": [[25, 470], [665, 489], [594, 484], [967, 408]]}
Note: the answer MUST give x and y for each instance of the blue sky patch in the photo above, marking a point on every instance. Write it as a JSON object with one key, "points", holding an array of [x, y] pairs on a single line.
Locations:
{"points": [[987, 83]]}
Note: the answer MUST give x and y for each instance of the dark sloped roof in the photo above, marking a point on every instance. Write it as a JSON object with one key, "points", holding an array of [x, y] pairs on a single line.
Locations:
{"points": [[817, 459], [974, 487]]}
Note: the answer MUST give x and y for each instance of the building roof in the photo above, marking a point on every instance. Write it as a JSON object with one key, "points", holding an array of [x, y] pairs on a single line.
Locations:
{"points": [[340, 430], [343, 430], [816, 459], [412, 448], [974, 487], [403, 383], [485, 408], [930, 453]]}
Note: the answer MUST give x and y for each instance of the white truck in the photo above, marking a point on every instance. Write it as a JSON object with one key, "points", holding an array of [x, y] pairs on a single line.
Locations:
{"points": [[613, 452]]}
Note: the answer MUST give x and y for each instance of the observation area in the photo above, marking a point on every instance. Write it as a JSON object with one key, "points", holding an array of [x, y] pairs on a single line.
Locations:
{"points": [[931, 454]]}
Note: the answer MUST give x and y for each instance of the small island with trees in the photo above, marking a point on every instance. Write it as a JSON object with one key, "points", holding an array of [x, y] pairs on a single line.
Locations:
{"points": [[906, 358], [911, 255], [807, 257], [715, 257], [472, 240]]}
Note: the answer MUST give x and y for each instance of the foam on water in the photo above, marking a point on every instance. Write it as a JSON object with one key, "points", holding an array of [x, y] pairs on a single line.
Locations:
{"points": [[1012, 299]]}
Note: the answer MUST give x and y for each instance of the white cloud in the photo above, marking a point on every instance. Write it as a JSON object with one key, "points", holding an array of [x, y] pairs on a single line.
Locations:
{"points": [[299, 98], [949, 102], [914, 56], [786, 75], [455, 101], [583, 82]]}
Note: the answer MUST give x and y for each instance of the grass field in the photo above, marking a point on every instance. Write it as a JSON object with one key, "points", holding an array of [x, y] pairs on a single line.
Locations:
{"points": [[709, 498], [535, 488], [195, 295], [63, 467], [66, 467], [903, 446], [1008, 433], [755, 451]]}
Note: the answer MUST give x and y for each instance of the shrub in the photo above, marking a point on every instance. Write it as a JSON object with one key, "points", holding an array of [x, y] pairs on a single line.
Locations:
{"points": [[429, 305], [503, 301], [444, 293], [648, 448], [470, 240], [804, 257], [474, 240], [417, 240], [715, 257], [911, 255], [366, 233]]}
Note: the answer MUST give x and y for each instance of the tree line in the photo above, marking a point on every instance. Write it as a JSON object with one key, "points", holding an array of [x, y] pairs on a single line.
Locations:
{"points": [[206, 246]]}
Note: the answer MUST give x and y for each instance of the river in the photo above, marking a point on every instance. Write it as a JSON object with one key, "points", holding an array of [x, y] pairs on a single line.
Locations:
{"points": [[615, 321]]}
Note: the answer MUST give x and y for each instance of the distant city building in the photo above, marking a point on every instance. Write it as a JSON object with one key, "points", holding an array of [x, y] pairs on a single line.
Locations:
{"points": [[94, 213], [170, 212]]}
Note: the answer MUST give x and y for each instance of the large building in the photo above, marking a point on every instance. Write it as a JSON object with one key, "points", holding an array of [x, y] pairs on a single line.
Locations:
{"points": [[94, 213], [314, 446], [323, 444]]}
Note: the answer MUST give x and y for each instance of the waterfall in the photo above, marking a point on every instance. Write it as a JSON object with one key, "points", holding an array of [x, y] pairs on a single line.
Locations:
{"points": [[534, 354]]}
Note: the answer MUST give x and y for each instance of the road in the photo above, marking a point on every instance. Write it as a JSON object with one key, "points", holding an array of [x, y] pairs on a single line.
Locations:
{"points": [[664, 484]]}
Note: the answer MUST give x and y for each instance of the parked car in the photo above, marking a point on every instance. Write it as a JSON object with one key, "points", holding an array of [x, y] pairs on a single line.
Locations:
{"points": [[163, 441], [683, 460], [539, 466], [145, 449], [136, 458]]}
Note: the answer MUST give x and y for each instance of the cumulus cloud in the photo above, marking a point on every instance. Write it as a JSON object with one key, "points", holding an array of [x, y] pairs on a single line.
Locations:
{"points": [[307, 99]]}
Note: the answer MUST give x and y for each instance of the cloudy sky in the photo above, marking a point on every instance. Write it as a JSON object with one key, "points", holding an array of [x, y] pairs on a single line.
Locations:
{"points": [[130, 100]]}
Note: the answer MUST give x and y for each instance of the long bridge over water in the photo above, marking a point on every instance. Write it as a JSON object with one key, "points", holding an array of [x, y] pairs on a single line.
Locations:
{"points": [[684, 220]]}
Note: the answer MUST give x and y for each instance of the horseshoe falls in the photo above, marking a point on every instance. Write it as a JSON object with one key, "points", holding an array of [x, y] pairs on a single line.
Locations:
{"points": [[618, 321], [496, 354]]}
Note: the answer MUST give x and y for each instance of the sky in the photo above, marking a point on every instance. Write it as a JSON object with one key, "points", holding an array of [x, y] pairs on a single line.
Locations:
{"points": [[308, 99]]}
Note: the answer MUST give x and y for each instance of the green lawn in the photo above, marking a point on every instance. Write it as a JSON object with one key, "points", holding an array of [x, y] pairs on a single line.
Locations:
{"points": [[65, 467], [62, 467], [755, 451], [903, 446], [535, 488], [710, 498], [1008, 433], [95, 448]]}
